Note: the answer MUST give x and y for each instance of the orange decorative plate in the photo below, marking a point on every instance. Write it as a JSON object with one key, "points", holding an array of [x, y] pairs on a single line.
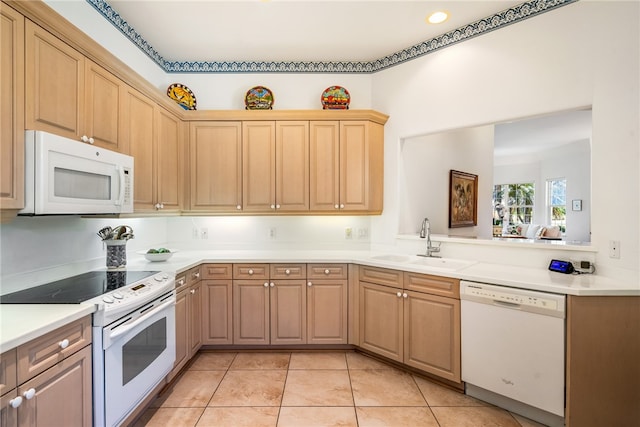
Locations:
{"points": [[259, 98], [182, 95], [335, 98]]}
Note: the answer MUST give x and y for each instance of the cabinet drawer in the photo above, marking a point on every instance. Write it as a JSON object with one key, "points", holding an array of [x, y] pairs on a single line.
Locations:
{"points": [[288, 271], [8, 373], [251, 271], [381, 276], [437, 285], [193, 275], [217, 271], [41, 353], [181, 281], [327, 271]]}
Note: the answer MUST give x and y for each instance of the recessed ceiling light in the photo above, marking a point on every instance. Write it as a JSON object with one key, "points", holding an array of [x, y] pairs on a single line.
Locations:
{"points": [[437, 17]]}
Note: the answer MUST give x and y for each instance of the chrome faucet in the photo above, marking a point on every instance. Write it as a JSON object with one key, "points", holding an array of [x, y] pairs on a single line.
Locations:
{"points": [[425, 232]]}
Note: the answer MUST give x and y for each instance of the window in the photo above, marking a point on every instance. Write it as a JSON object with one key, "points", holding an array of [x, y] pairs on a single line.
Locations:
{"points": [[513, 203], [557, 202]]}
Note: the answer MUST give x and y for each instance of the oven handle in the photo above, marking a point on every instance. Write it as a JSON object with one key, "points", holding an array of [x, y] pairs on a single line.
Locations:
{"points": [[108, 339]]}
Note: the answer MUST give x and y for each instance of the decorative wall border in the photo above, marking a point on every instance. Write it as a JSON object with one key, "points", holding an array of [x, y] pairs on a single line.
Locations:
{"points": [[499, 20]]}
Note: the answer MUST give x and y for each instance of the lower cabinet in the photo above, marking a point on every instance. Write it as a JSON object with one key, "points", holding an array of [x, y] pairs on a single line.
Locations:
{"points": [[49, 384], [419, 329], [188, 318]]}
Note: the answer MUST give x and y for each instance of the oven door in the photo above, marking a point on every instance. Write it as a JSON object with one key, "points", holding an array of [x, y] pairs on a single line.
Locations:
{"points": [[139, 351]]}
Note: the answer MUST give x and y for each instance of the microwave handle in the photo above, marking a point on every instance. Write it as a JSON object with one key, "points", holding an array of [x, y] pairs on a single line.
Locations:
{"points": [[120, 200]]}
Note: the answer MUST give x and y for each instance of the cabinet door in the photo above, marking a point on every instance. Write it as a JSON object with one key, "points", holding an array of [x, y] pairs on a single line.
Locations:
{"points": [[169, 160], [8, 414], [104, 96], [217, 309], [361, 166], [288, 312], [292, 166], [432, 334], [63, 394], [195, 318], [215, 162], [259, 166], [54, 78], [11, 109], [324, 165], [250, 312], [381, 317], [327, 311], [138, 127], [182, 330]]}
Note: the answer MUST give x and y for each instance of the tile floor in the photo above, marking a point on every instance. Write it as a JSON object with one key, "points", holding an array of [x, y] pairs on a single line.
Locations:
{"points": [[299, 389]]}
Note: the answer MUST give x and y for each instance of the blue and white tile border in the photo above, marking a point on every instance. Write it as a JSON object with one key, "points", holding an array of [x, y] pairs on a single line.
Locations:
{"points": [[501, 19]]}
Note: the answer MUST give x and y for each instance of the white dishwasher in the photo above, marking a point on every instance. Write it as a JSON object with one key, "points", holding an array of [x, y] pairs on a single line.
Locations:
{"points": [[513, 349]]}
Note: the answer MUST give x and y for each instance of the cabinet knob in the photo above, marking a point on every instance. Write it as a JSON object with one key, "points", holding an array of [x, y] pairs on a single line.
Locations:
{"points": [[336, 206], [341, 205], [277, 206], [238, 207], [326, 271], [196, 274], [64, 343], [266, 284], [250, 272], [309, 284], [399, 294], [287, 272], [405, 295], [180, 282], [193, 291], [273, 206], [272, 284], [15, 402], [85, 138], [29, 393]]}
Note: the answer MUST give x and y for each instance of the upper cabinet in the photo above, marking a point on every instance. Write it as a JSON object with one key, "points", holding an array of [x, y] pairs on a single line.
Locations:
{"points": [[70, 95], [11, 110], [346, 166]]}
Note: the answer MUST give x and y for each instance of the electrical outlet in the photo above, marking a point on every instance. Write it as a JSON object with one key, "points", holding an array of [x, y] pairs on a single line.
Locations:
{"points": [[204, 233], [272, 233], [614, 248], [348, 233], [363, 233], [194, 233]]}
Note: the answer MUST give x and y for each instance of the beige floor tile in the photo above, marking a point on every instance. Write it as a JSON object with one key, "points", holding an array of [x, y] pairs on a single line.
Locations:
{"points": [[250, 388], [261, 361], [362, 361], [317, 417], [317, 388], [193, 389], [526, 422], [373, 416], [212, 361], [240, 417], [484, 416], [174, 417], [437, 395], [318, 361], [385, 388]]}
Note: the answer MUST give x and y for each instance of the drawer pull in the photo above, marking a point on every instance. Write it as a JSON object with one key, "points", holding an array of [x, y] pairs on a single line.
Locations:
{"points": [[287, 272], [326, 271], [193, 291], [266, 285], [405, 295], [309, 284], [15, 402], [29, 393], [272, 284], [399, 294], [64, 343], [250, 272], [196, 274]]}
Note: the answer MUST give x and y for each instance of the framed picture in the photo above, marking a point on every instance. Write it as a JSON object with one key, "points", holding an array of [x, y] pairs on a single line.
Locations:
{"points": [[463, 199]]}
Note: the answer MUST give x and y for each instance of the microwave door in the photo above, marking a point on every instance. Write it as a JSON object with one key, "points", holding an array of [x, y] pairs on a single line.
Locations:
{"points": [[79, 185]]}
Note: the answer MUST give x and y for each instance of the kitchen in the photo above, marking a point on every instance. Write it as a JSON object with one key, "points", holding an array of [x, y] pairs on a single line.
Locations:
{"points": [[609, 84]]}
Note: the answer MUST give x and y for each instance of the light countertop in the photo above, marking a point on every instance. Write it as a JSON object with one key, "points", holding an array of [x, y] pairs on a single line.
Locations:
{"points": [[21, 323]]}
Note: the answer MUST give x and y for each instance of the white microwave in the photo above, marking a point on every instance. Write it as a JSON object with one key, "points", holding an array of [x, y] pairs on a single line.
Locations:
{"points": [[64, 177]]}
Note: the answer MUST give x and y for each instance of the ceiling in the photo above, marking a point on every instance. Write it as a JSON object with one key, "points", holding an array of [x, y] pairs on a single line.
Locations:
{"points": [[292, 30]]}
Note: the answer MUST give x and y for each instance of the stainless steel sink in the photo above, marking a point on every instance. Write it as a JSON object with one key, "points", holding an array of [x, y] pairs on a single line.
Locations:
{"points": [[442, 263], [392, 258]]}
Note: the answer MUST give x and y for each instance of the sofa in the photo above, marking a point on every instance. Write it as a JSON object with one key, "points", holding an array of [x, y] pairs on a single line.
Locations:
{"points": [[533, 231]]}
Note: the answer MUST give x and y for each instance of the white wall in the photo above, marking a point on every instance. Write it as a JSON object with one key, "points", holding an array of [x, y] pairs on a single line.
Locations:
{"points": [[582, 54]]}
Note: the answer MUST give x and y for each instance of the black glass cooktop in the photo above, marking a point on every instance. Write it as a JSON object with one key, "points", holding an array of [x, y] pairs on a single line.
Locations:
{"points": [[76, 289]]}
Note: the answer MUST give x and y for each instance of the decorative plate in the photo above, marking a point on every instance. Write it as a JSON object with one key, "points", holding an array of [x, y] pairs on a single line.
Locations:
{"points": [[182, 95], [258, 98], [335, 98]]}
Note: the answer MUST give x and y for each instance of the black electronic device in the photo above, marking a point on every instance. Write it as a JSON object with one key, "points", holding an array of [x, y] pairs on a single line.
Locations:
{"points": [[560, 266]]}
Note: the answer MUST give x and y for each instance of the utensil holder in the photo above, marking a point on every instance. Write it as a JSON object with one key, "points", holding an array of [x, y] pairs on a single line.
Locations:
{"points": [[116, 253]]}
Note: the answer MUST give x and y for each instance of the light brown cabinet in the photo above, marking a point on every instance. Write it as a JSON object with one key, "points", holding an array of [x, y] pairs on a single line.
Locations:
{"points": [[346, 166], [327, 304], [217, 304], [251, 304], [11, 110], [215, 166], [188, 318], [37, 373], [406, 318]]}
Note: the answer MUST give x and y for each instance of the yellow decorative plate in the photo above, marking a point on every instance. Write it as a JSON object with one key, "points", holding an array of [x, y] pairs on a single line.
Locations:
{"points": [[258, 98], [182, 95]]}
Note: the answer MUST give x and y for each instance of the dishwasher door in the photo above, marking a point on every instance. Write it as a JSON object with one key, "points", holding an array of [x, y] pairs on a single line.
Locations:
{"points": [[513, 344]]}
